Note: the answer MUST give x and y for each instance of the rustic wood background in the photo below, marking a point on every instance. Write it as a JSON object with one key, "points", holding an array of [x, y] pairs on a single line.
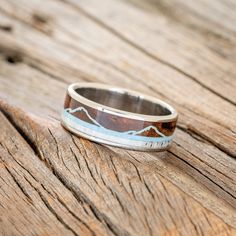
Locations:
{"points": [[53, 183]]}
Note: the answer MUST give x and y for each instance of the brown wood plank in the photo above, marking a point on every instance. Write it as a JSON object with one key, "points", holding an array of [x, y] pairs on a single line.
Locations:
{"points": [[70, 175], [184, 172], [62, 59], [65, 185], [203, 18], [33, 200], [160, 39]]}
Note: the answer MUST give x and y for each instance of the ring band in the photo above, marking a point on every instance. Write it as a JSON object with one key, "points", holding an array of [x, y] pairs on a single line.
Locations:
{"points": [[118, 117]]}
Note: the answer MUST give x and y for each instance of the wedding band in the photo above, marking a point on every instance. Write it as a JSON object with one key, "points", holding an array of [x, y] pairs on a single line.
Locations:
{"points": [[118, 117]]}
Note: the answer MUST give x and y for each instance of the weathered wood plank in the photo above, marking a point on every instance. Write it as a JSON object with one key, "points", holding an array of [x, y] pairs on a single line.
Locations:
{"points": [[203, 18], [189, 125], [160, 39], [126, 195], [172, 166], [145, 70], [99, 190], [33, 200], [61, 62]]}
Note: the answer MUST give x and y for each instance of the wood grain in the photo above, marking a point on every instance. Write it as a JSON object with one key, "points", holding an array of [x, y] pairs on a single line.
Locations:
{"points": [[53, 183]]}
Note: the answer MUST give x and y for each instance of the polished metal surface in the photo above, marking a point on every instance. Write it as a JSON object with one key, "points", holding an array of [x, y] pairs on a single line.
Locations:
{"points": [[122, 102]]}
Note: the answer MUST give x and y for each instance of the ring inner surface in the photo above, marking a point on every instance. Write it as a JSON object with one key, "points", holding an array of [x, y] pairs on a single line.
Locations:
{"points": [[123, 101]]}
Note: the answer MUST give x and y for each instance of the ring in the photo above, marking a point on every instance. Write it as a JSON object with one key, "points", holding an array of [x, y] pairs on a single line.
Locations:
{"points": [[118, 117]]}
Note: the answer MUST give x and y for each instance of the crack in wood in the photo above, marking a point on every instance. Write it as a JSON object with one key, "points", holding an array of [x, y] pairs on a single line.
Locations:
{"points": [[50, 208], [21, 187], [204, 138], [208, 178]]}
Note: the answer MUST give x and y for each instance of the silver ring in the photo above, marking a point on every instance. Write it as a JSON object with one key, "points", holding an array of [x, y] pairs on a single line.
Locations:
{"points": [[118, 117]]}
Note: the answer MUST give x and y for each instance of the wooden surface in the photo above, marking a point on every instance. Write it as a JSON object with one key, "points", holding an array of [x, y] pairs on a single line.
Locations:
{"points": [[53, 183]]}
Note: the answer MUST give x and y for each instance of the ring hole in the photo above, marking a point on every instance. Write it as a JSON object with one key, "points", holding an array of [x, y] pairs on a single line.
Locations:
{"points": [[123, 101]]}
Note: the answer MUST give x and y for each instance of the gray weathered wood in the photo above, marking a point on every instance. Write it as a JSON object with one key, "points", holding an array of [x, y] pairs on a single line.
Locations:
{"points": [[54, 183]]}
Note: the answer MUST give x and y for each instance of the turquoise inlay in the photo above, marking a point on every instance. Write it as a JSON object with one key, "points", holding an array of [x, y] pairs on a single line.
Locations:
{"points": [[132, 132], [124, 135]]}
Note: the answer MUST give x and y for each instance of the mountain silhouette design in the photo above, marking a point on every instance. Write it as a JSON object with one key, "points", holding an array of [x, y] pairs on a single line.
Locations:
{"points": [[130, 132], [71, 111], [145, 129]]}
